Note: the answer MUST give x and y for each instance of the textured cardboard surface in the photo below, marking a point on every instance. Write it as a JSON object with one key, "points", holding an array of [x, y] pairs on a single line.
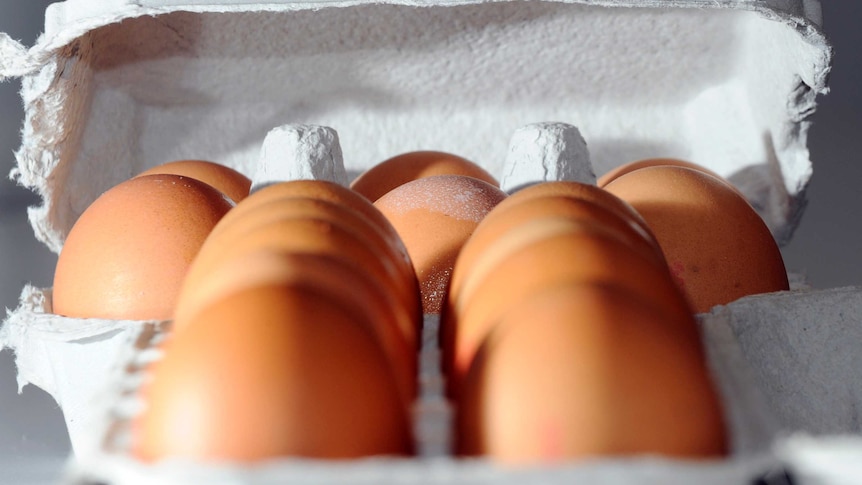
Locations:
{"points": [[803, 348], [727, 84]]}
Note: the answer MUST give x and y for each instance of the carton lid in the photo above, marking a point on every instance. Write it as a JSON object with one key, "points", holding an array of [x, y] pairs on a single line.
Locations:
{"points": [[115, 87]]}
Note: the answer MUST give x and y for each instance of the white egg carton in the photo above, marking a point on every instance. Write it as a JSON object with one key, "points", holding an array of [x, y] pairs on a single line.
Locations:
{"points": [[115, 87]]}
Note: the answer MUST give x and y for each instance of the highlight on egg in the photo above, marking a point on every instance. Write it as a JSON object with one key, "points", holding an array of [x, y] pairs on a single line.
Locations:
{"points": [[618, 172], [230, 182]]}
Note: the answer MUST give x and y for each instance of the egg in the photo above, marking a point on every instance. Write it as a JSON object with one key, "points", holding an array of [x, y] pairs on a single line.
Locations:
{"points": [[489, 245], [320, 190], [581, 191], [329, 192], [337, 278], [510, 216], [434, 216], [545, 254], [227, 180], [398, 170], [127, 254], [272, 371], [298, 207], [717, 247], [304, 235], [655, 162], [582, 371]]}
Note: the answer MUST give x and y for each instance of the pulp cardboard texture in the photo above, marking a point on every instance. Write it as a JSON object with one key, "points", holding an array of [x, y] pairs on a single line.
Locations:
{"points": [[113, 88], [530, 90]]}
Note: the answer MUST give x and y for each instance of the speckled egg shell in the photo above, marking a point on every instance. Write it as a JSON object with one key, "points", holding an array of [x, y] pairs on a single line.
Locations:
{"points": [[434, 217]]}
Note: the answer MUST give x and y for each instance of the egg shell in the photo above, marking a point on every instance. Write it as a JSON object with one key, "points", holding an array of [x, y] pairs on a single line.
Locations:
{"points": [[321, 190], [337, 278], [582, 371], [435, 216], [272, 371], [531, 232], [716, 245], [504, 219], [297, 207], [580, 191], [228, 181], [562, 252], [400, 169], [618, 172], [305, 235], [128, 253]]}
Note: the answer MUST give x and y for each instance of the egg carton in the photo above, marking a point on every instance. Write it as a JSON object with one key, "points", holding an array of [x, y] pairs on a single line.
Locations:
{"points": [[113, 88]]}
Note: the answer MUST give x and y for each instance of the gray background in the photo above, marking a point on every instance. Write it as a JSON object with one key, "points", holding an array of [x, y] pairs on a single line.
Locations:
{"points": [[825, 247]]}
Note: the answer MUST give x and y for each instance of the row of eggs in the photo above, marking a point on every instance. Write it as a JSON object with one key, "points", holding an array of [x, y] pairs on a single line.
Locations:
{"points": [[335, 316]]}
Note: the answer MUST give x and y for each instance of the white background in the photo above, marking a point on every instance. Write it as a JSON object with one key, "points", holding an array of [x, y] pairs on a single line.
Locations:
{"points": [[826, 246]]}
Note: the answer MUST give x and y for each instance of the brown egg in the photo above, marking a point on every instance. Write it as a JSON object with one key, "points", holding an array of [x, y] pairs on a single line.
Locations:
{"points": [[409, 316], [506, 218], [128, 253], [655, 162], [399, 170], [303, 235], [338, 279], [230, 182], [577, 190], [326, 191], [298, 207], [291, 207], [271, 371], [321, 190], [565, 252], [717, 247], [434, 217], [581, 371]]}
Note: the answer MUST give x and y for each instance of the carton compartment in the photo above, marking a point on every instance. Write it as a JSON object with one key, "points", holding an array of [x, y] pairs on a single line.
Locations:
{"points": [[638, 82]]}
